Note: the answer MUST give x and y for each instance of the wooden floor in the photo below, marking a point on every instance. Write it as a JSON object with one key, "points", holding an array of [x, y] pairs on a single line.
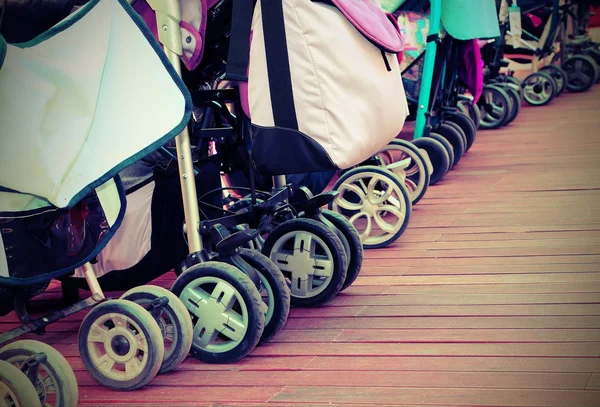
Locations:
{"points": [[491, 298]]}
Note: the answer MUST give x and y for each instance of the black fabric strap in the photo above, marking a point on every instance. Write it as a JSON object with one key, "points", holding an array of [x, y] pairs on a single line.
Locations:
{"points": [[278, 64], [239, 40]]}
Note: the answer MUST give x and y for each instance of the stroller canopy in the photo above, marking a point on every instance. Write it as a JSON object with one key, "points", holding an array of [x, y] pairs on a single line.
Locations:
{"points": [[470, 19]]}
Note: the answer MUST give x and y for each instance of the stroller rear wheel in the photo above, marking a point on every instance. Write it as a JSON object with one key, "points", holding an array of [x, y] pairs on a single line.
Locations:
{"points": [[539, 89], [226, 308], [446, 144], [437, 155], [582, 72], [516, 102], [559, 75], [311, 257], [466, 125], [121, 345], [352, 245], [174, 322], [495, 105], [417, 173], [56, 384], [274, 292], [15, 388], [377, 202]]}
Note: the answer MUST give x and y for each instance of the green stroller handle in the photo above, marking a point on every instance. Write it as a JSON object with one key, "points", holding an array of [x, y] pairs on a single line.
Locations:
{"points": [[435, 16]]}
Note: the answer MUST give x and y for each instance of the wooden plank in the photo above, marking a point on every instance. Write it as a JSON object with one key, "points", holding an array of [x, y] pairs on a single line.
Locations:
{"points": [[374, 270], [454, 335], [466, 364], [399, 380], [466, 299], [575, 349], [425, 396], [508, 288], [594, 382], [479, 279], [538, 322]]}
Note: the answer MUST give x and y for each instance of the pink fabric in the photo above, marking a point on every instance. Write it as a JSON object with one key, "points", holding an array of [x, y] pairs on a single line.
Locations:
{"points": [[146, 12], [372, 22], [471, 70], [192, 62], [535, 20]]}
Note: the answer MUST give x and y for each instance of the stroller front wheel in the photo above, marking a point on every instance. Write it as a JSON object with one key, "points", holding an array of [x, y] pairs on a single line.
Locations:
{"points": [[15, 387], [539, 89], [226, 309], [121, 345], [173, 319], [56, 384], [437, 155]]}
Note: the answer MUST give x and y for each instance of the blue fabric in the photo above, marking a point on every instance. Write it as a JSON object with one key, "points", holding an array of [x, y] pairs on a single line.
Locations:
{"points": [[470, 19]]}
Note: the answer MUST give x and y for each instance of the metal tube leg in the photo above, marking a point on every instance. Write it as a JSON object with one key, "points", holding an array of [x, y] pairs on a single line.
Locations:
{"points": [[92, 281], [279, 181]]}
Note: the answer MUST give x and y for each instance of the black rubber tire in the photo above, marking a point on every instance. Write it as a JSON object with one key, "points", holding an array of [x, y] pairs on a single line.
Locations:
{"points": [[438, 155], [517, 84], [149, 328], [416, 155], [279, 288], [454, 134], [23, 392], [560, 76], [580, 79], [174, 314], [466, 125], [393, 178], [352, 245], [516, 99], [250, 295], [56, 368], [594, 53], [334, 245], [447, 145], [471, 110], [538, 81], [499, 96]]}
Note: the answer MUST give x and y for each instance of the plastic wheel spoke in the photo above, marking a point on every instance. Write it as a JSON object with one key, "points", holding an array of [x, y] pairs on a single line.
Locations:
{"points": [[376, 197], [578, 64], [105, 363], [169, 333], [141, 343], [118, 320], [323, 268], [224, 295], [413, 170], [193, 297], [133, 368], [303, 242], [411, 185], [301, 287], [235, 328], [367, 230], [209, 335], [385, 226], [280, 259], [363, 186], [498, 109], [97, 333]]}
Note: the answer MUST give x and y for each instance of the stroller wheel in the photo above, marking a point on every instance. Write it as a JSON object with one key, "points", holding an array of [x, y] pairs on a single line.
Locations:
{"points": [[274, 292], [417, 173], [226, 308], [495, 105], [456, 137], [437, 156], [380, 203], [311, 257], [582, 72], [466, 125], [472, 111], [516, 103], [539, 89], [121, 345], [56, 384], [561, 78], [174, 322], [352, 245], [595, 54], [514, 83], [447, 146], [15, 388]]}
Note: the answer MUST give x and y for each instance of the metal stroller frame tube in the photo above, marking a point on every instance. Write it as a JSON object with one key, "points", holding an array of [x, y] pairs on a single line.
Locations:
{"points": [[279, 181], [435, 15], [168, 17]]}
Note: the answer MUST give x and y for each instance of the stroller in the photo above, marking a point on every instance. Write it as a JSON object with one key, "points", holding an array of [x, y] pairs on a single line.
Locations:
{"points": [[68, 212], [442, 131]]}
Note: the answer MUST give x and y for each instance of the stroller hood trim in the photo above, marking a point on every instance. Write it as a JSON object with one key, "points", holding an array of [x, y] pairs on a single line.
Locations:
{"points": [[178, 91]]}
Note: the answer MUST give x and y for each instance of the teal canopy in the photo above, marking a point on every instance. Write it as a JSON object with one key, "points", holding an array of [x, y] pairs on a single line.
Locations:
{"points": [[470, 19]]}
